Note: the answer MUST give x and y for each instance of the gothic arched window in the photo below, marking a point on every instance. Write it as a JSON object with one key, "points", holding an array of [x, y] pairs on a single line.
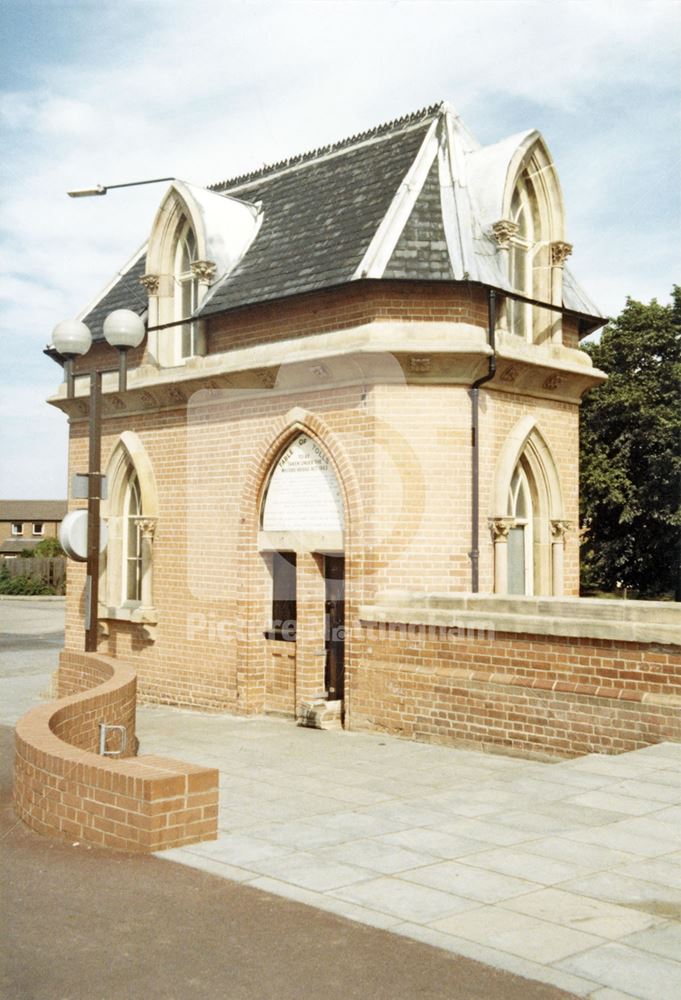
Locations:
{"points": [[132, 547], [186, 287], [521, 534], [131, 512]]}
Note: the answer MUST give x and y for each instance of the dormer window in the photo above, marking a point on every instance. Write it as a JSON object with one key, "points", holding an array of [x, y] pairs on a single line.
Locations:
{"points": [[529, 235], [198, 236]]}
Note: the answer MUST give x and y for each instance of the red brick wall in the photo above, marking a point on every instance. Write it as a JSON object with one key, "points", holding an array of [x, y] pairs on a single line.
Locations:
{"points": [[546, 694], [349, 305], [63, 789]]}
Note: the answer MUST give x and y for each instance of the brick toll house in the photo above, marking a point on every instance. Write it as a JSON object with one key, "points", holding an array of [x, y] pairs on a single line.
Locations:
{"points": [[342, 480]]}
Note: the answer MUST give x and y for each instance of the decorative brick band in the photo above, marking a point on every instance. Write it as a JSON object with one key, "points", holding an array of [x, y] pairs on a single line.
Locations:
{"points": [[548, 694], [63, 788]]}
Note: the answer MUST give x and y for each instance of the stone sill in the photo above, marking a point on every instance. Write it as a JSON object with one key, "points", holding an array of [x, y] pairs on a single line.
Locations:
{"points": [[146, 617], [623, 621]]}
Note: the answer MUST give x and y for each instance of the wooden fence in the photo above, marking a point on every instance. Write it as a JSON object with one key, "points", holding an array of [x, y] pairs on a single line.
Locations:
{"points": [[50, 571]]}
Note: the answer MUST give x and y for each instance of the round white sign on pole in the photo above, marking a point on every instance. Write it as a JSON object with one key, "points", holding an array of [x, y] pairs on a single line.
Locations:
{"points": [[73, 535]]}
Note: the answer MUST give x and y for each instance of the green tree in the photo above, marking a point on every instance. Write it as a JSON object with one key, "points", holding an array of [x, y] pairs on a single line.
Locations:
{"points": [[48, 549], [630, 453]]}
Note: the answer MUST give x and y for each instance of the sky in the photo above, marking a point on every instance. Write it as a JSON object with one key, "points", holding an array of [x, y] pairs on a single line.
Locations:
{"points": [[101, 92]]}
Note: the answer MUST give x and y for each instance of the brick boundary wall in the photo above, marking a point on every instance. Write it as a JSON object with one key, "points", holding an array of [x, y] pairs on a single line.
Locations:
{"points": [[64, 788], [544, 694]]}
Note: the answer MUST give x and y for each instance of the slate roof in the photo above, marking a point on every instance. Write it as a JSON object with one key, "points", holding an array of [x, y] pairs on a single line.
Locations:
{"points": [[32, 510], [421, 251], [125, 292], [318, 219], [322, 211], [13, 546]]}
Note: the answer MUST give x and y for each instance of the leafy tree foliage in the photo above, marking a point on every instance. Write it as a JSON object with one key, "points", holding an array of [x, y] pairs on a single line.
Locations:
{"points": [[631, 453], [48, 549]]}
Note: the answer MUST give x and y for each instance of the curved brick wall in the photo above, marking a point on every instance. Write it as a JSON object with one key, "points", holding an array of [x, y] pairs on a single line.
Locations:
{"points": [[64, 788]]}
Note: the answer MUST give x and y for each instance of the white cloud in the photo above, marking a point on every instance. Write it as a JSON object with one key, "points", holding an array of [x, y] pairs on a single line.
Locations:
{"points": [[207, 90]]}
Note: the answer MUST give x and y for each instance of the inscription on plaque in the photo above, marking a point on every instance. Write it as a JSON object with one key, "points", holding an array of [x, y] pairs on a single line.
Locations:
{"points": [[303, 493]]}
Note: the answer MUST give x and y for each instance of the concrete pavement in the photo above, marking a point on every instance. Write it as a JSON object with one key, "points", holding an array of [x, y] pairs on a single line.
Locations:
{"points": [[567, 872], [31, 636]]}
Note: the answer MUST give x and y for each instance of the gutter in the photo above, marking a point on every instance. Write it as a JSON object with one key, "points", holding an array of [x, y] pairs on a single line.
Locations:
{"points": [[475, 441]]}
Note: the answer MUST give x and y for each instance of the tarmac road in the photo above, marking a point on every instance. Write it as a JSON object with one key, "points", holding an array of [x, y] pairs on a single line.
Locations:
{"points": [[81, 923]]}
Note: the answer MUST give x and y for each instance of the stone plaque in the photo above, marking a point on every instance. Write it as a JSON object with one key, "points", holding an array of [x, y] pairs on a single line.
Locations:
{"points": [[303, 492]]}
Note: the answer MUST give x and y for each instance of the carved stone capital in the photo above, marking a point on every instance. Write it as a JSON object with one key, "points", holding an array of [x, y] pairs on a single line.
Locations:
{"points": [[419, 364], [150, 282], [147, 526], [503, 231], [559, 529], [560, 252], [203, 270], [500, 527]]}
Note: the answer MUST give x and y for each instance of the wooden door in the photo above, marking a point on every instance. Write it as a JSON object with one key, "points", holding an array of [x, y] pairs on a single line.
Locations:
{"points": [[334, 619]]}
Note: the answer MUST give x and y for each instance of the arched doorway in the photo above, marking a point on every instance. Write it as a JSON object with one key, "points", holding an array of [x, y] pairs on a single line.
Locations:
{"points": [[301, 538]]}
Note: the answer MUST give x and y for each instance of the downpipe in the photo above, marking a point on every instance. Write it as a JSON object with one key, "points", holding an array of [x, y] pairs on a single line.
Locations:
{"points": [[475, 441]]}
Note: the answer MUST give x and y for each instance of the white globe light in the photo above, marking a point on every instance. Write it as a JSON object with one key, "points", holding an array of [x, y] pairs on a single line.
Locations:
{"points": [[71, 337], [123, 328]]}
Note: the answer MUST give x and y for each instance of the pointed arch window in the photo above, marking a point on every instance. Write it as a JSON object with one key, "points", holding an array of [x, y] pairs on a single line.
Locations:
{"points": [[126, 585], [186, 288], [528, 258], [520, 534], [132, 546], [530, 234], [528, 524], [523, 253]]}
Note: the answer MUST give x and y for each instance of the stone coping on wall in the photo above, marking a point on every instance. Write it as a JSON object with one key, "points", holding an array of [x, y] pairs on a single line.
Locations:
{"points": [[62, 788], [575, 617]]}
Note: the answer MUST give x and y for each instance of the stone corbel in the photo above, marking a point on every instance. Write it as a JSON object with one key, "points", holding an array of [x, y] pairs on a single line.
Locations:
{"points": [[148, 631], [560, 252], [500, 527], [203, 271], [151, 283], [559, 528], [503, 232]]}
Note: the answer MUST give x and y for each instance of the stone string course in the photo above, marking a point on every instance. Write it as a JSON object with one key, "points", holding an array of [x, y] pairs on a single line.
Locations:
{"points": [[63, 788]]}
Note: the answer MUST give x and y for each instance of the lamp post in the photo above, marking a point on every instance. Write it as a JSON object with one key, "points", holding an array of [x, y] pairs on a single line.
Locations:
{"points": [[123, 329]]}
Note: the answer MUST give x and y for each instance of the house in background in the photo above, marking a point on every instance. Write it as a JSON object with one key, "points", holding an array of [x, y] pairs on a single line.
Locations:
{"points": [[24, 523], [343, 477]]}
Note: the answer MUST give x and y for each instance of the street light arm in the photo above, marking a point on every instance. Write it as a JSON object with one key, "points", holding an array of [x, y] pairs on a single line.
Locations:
{"points": [[103, 188]]}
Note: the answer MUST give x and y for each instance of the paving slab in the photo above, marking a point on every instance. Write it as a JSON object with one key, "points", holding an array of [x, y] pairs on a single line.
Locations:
{"points": [[525, 864], [634, 972], [526, 936]]}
